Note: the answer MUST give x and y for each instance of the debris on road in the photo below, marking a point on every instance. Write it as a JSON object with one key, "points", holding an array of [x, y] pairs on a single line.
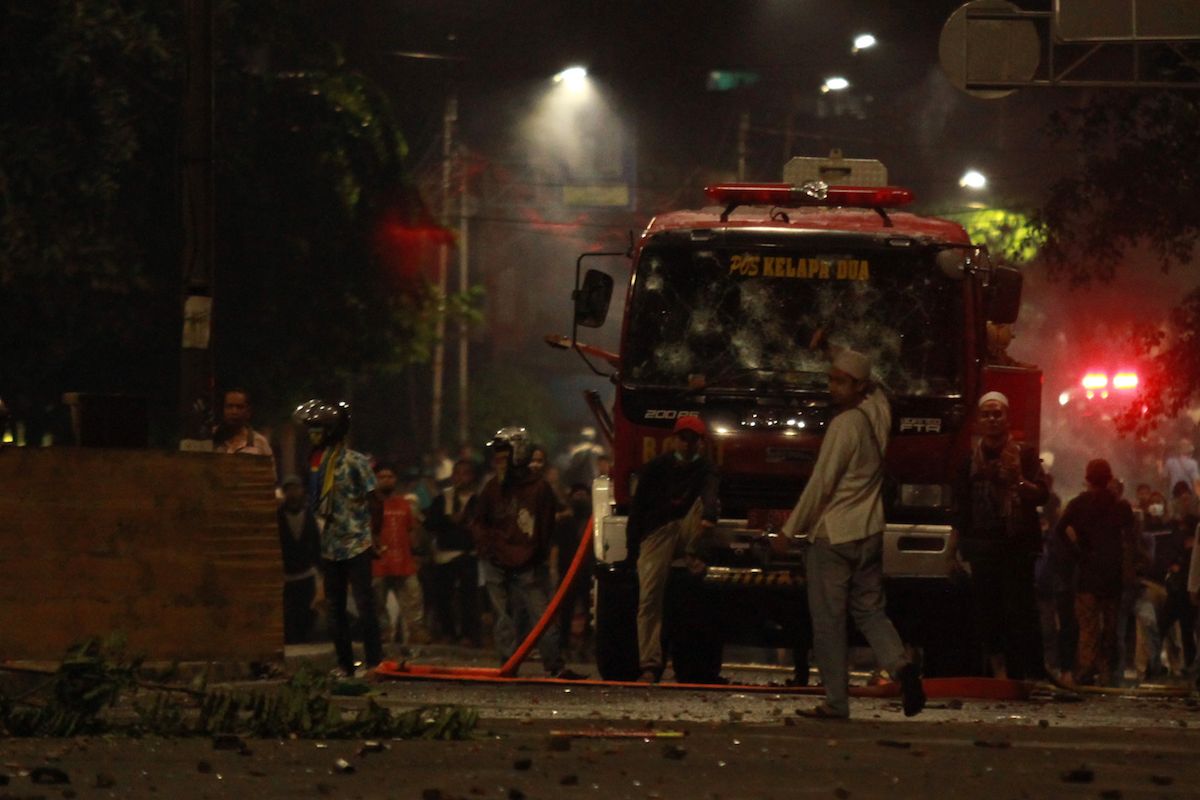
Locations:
{"points": [[94, 677], [49, 776], [674, 752], [617, 733], [1081, 774]]}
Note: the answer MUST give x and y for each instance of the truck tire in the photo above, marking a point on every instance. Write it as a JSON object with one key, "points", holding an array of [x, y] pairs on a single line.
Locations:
{"points": [[692, 629], [616, 623]]}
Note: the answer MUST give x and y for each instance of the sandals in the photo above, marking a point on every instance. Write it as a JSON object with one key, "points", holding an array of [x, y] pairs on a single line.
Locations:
{"points": [[821, 711]]}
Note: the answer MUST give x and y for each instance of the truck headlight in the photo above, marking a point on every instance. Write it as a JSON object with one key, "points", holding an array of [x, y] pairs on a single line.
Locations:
{"points": [[924, 495]]}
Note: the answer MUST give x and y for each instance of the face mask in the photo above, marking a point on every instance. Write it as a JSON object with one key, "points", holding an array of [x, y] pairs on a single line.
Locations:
{"points": [[1156, 509]]}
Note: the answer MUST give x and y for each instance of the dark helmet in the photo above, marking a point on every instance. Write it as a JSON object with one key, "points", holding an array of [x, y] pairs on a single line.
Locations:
{"points": [[332, 418], [515, 440]]}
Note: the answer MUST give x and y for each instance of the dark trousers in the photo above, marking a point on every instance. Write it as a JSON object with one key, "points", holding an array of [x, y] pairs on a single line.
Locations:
{"points": [[353, 574], [1097, 652], [1006, 611], [298, 614], [1060, 633], [456, 598], [578, 597], [1179, 609]]}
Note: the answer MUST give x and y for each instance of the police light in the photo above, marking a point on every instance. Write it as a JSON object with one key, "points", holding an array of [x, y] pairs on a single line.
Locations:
{"points": [[1094, 380], [787, 195], [1125, 380]]}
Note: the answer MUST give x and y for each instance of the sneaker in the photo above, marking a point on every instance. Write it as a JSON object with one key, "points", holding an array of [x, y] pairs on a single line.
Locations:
{"points": [[911, 689], [565, 674], [648, 676]]}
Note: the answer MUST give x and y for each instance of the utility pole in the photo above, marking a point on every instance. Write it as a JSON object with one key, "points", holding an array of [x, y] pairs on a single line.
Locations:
{"points": [[463, 264], [449, 118], [196, 369]]}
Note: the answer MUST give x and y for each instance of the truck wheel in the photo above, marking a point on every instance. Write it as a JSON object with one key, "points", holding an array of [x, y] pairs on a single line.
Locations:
{"points": [[616, 623], [692, 630]]}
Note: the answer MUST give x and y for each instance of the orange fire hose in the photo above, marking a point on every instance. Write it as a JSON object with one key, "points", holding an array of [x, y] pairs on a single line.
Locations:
{"points": [[510, 667], [984, 688]]}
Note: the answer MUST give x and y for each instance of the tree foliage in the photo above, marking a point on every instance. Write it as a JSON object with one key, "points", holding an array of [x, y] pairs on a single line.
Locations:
{"points": [[86, 152], [1009, 235], [308, 159], [1134, 190]]}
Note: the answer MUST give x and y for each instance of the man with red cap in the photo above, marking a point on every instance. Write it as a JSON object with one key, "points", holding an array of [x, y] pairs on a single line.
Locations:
{"points": [[675, 503], [841, 511]]}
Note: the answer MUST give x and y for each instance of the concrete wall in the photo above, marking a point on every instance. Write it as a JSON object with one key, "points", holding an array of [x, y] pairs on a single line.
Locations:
{"points": [[179, 551]]}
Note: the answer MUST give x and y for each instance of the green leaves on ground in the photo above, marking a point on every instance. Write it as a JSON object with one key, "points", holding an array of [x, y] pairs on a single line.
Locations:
{"points": [[83, 696]]}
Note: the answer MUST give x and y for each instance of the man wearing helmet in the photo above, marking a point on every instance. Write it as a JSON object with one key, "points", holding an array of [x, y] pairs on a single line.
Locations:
{"points": [[514, 519], [341, 487]]}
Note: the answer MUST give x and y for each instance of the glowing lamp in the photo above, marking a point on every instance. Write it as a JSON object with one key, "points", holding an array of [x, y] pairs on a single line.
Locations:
{"points": [[1125, 381]]}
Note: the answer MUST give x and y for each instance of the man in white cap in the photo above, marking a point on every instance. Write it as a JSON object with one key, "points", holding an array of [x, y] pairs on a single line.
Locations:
{"points": [[841, 510], [1001, 540]]}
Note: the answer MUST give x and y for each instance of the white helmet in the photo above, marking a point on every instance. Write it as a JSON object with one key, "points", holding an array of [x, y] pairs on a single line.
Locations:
{"points": [[515, 439]]}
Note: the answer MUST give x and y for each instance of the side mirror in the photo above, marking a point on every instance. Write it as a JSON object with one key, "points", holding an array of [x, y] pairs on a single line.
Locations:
{"points": [[1004, 295], [592, 299]]}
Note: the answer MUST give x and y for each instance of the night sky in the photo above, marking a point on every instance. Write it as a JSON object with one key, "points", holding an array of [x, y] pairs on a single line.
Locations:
{"points": [[654, 58]]}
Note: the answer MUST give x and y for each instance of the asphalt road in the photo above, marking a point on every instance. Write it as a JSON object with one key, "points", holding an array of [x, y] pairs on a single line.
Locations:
{"points": [[555, 740]]}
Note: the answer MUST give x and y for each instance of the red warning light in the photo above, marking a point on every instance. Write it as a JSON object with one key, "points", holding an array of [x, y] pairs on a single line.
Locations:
{"points": [[785, 194], [1125, 380], [1094, 380]]}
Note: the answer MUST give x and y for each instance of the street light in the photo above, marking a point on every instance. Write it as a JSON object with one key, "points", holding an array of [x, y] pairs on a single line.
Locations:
{"points": [[973, 179], [835, 84], [573, 78], [864, 41]]}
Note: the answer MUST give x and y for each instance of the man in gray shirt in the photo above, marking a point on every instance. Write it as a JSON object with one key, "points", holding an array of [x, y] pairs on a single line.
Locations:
{"points": [[841, 509]]}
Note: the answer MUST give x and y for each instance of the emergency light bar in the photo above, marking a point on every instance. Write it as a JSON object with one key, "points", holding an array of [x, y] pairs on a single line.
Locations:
{"points": [[1122, 381], [1125, 380], [810, 194]]}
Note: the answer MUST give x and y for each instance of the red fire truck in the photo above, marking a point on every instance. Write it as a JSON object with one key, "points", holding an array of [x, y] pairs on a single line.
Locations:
{"points": [[723, 308]]}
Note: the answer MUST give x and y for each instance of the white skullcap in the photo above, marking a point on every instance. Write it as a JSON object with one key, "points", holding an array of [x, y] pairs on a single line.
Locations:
{"points": [[853, 363], [999, 398]]}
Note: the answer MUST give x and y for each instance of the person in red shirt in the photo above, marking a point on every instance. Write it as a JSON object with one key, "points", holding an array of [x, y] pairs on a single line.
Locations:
{"points": [[395, 570]]}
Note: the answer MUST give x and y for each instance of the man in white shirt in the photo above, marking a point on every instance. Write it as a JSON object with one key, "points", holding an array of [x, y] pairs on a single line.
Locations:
{"points": [[841, 510], [1182, 467], [234, 434]]}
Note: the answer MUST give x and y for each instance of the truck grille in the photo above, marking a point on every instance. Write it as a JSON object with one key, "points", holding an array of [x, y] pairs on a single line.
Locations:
{"points": [[741, 493]]}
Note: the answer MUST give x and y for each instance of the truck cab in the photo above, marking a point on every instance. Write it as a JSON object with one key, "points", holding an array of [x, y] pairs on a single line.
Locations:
{"points": [[729, 314]]}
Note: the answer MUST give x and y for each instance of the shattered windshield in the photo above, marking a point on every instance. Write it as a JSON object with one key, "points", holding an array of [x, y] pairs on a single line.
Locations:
{"points": [[743, 313]]}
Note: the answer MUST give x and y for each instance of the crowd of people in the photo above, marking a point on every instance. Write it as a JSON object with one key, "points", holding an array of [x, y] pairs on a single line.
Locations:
{"points": [[1117, 582], [461, 552], [469, 552]]}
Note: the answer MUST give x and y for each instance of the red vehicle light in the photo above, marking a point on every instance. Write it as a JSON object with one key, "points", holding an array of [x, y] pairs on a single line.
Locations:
{"points": [[1094, 380], [1125, 380], [785, 194]]}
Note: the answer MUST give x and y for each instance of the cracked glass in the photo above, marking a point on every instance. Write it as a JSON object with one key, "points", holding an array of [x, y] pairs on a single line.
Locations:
{"points": [[746, 313]]}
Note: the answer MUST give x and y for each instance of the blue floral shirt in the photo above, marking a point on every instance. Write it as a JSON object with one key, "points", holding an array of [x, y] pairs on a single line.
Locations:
{"points": [[347, 529]]}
